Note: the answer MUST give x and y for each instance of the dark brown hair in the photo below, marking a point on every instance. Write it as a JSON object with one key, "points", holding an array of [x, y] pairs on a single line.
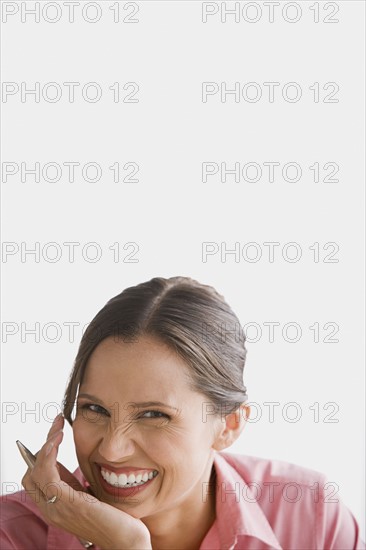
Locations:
{"points": [[192, 319]]}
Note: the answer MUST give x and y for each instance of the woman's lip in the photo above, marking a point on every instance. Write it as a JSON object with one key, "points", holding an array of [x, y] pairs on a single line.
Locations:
{"points": [[124, 469]]}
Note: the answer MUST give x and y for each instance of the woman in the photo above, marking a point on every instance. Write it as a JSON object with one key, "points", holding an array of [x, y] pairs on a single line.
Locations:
{"points": [[159, 395]]}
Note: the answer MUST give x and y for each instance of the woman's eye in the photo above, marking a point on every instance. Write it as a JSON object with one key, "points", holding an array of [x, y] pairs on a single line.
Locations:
{"points": [[155, 414], [93, 408], [91, 411]]}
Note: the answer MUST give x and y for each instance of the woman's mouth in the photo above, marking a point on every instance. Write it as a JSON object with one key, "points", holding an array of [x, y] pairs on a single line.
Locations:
{"points": [[123, 485], [124, 481]]}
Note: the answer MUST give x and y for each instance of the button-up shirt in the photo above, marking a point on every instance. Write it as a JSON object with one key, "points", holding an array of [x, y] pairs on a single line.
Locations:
{"points": [[261, 504]]}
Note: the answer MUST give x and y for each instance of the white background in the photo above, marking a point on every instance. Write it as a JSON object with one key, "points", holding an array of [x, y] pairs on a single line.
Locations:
{"points": [[169, 52]]}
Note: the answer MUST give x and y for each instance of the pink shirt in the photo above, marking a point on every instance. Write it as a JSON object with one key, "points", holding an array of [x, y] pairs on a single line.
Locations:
{"points": [[261, 504]]}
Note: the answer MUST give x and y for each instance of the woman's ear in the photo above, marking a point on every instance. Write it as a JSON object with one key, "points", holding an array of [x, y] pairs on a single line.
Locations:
{"points": [[230, 427]]}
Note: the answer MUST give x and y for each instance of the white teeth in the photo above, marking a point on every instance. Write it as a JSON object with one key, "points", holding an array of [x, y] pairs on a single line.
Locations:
{"points": [[113, 479], [122, 480]]}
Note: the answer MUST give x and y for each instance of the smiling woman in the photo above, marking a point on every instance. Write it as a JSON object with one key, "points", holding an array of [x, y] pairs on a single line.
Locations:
{"points": [[155, 397]]}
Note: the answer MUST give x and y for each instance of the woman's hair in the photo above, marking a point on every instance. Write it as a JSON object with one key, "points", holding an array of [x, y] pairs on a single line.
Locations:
{"points": [[192, 319]]}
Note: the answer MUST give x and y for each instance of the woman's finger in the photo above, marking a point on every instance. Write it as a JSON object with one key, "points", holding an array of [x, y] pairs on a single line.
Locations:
{"points": [[32, 488], [45, 472], [57, 424]]}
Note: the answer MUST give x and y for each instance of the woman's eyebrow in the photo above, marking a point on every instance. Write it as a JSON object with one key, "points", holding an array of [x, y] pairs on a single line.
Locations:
{"points": [[139, 404]]}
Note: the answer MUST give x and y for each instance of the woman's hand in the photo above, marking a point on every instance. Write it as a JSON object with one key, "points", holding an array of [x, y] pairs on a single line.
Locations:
{"points": [[75, 510]]}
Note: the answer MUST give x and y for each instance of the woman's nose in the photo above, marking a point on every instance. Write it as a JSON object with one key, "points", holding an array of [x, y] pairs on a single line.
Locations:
{"points": [[116, 445]]}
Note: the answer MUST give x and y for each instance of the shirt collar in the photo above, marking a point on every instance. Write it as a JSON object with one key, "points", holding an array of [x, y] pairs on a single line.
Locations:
{"points": [[237, 510]]}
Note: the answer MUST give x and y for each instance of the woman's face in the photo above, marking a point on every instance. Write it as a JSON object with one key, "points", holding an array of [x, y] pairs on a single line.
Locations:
{"points": [[118, 425]]}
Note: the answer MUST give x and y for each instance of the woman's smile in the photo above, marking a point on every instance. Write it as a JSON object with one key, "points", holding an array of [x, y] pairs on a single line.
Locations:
{"points": [[124, 485], [123, 480]]}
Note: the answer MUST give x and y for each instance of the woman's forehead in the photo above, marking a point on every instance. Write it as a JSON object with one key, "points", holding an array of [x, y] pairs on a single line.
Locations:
{"points": [[145, 352], [143, 364], [140, 345]]}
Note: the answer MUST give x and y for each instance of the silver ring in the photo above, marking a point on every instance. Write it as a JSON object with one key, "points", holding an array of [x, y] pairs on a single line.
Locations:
{"points": [[51, 500]]}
